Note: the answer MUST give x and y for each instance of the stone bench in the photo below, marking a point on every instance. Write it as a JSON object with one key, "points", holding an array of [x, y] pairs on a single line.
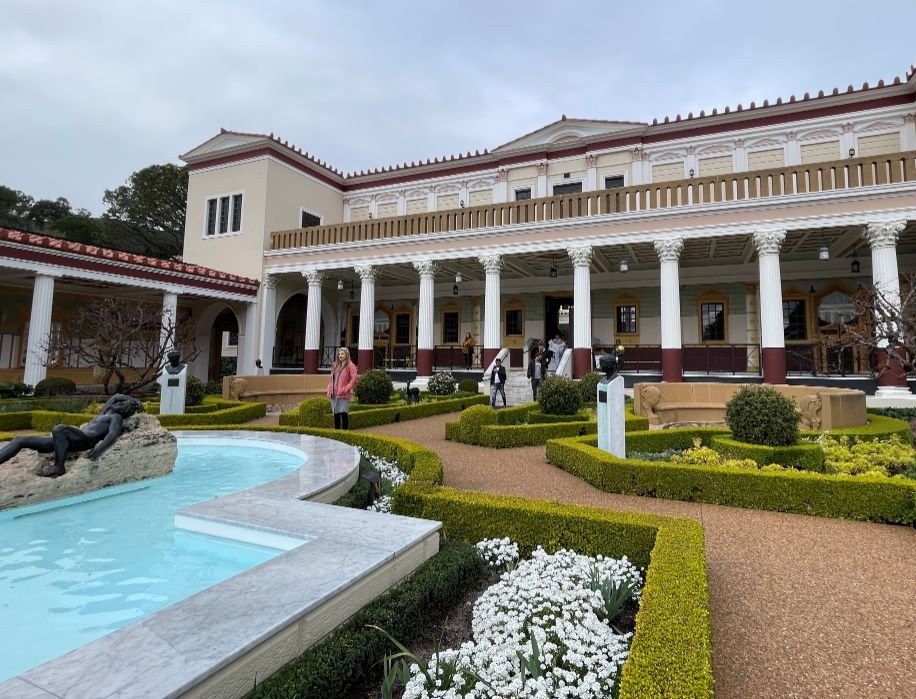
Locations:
{"points": [[276, 388], [819, 407]]}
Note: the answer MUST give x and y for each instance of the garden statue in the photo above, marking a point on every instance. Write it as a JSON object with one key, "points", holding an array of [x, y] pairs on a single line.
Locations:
{"points": [[173, 380], [610, 363], [95, 436]]}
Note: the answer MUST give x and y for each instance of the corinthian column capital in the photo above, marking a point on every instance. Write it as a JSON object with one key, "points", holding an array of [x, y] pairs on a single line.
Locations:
{"points": [[769, 242], [271, 280], [491, 263], [884, 234], [669, 250], [367, 273], [426, 268], [314, 277], [581, 256]]}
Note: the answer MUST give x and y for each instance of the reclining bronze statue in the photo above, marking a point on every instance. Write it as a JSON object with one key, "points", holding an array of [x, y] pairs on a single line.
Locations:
{"points": [[95, 436]]}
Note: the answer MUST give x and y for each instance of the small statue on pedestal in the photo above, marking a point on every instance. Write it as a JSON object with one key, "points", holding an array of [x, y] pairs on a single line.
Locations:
{"points": [[95, 436], [610, 363], [173, 382]]}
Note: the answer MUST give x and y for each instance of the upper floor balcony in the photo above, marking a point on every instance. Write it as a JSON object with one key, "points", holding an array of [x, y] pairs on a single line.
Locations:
{"points": [[725, 190]]}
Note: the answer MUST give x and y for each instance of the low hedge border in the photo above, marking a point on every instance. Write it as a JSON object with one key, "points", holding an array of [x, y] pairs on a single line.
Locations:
{"points": [[802, 456], [671, 652], [891, 500], [878, 427], [485, 427], [316, 412], [343, 660]]}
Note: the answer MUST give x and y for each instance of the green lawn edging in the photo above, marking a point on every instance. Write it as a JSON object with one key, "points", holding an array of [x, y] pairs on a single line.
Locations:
{"points": [[316, 412], [804, 456], [891, 500], [671, 652]]}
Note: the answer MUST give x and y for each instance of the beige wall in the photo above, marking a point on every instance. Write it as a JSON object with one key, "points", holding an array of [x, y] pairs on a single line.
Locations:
{"points": [[819, 152], [882, 143], [710, 167], [388, 209], [237, 253], [766, 159], [481, 197], [359, 213], [288, 190], [573, 167], [446, 201], [416, 206], [668, 171], [523, 173]]}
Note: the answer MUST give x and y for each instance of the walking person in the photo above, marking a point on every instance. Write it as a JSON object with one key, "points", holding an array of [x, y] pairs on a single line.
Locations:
{"points": [[340, 388], [537, 370], [468, 346], [498, 383]]}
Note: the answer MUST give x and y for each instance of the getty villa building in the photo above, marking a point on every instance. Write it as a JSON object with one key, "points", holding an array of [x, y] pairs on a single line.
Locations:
{"points": [[726, 243]]}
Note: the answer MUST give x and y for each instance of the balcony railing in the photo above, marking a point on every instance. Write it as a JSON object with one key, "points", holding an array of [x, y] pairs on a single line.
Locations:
{"points": [[853, 173]]}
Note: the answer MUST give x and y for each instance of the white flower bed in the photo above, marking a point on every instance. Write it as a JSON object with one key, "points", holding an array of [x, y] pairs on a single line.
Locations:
{"points": [[392, 477], [543, 615], [498, 553]]}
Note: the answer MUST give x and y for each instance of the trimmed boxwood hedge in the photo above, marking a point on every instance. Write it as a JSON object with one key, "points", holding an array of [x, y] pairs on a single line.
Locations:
{"points": [[316, 412], [805, 456], [878, 427], [890, 500], [340, 662], [671, 652]]}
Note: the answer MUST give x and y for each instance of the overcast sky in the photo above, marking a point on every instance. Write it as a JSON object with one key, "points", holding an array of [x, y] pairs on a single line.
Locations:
{"points": [[91, 91]]}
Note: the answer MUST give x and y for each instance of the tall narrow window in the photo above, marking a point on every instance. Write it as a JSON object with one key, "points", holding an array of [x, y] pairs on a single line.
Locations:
{"points": [[514, 321], [450, 327], [211, 217], [224, 214], [626, 320], [236, 213], [794, 319], [712, 318], [402, 329]]}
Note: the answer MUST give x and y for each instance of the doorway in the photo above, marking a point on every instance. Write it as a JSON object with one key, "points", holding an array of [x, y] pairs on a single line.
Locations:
{"points": [[224, 346], [557, 322]]}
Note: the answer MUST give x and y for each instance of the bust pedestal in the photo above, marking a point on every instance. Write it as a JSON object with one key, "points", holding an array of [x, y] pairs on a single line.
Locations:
{"points": [[172, 392], [611, 422]]}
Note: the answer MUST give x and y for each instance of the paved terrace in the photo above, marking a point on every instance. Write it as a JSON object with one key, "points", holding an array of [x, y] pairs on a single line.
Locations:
{"points": [[802, 607]]}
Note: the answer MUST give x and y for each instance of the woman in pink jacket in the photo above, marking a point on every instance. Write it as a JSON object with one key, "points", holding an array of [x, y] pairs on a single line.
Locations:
{"points": [[340, 388]]}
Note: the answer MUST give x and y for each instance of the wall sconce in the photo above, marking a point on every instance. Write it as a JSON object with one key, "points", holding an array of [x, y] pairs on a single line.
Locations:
{"points": [[624, 266], [823, 253], [340, 285], [454, 289], [370, 215], [461, 203], [812, 290], [553, 268], [855, 266], [852, 152], [691, 173]]}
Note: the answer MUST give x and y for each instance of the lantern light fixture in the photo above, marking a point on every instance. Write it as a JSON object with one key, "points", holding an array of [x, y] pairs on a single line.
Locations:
{"points": [[855, 266], [553, 268], [823, 253], [624, 265]]}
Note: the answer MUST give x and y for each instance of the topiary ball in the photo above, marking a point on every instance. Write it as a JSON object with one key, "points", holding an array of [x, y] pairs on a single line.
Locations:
{"points": [[373, 388], [588, 387], [315, 412], [441, 384], [762, 415], [54, 386], [468, 386], [194, 391], [559, 396]]}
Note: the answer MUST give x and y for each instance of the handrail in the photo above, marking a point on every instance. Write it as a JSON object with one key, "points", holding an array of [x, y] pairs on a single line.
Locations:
{"points": [[502, 356], [564, 367], [890, 168]]}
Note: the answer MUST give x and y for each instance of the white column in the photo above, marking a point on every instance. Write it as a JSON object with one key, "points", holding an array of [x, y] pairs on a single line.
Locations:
{"points": [[373, 206], [315, 279], [427, 270], [367, 274], [882, 237], [39, 329], [793, 150], [248, 342], [591, 173], [669, 253], [268, 320], [772, 332], [582, 309], [431, 200], [739, 158], [346, 211], [169, 320], [542, 180], [492, 338], [501, 188], [464, 195], [908, 136], [402, 202]]}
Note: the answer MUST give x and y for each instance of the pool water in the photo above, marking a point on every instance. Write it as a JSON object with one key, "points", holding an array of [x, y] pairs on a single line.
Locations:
{"points": [[78, 568]]}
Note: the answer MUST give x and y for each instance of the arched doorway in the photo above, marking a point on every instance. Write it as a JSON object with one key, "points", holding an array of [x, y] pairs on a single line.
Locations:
{"points": [[289, 345], [836, 316], [224, 346]]}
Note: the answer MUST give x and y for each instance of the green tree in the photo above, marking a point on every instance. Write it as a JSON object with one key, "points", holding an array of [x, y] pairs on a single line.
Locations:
{"points": [[79, 228], [44, 212], [152, 202], [14, 205]]}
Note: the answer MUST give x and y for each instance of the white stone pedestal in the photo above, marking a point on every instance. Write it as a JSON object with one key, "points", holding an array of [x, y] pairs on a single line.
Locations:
{"points": [[172, 392], [611, 422]]}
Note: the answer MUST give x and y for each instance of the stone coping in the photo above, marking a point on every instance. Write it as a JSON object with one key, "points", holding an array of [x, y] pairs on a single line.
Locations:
{"points": [[170, 652]]}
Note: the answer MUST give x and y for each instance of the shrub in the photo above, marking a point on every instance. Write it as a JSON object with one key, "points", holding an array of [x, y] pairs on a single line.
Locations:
{"points": [[889, 458], [55, 386], [214, 388], [315, 412], [588, 388], [472, 419], [374, 387], [194, 392], [559, 396], [441, 384], [761, 415], [898, 413], [802, 456], [468, 386], [14, 390], [698, 455]]}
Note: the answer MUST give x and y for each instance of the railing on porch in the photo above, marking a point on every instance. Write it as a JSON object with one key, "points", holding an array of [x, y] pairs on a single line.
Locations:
{"points": [[828, 359], [448, 357], [721, 359], [637, 359], [853, 173], [289, 357]]}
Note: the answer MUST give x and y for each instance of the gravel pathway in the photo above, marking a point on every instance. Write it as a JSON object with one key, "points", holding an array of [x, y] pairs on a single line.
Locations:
{"points": [[802, 607]]}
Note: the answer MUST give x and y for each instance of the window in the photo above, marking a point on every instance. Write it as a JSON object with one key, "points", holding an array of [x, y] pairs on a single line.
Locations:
{"points": [[712, 319], [571, 188], [233, 339], [613, 182], [794, 320], [521, 194], [402, 329], [308, 220], [450, 327], [514, 321], [354, 328], [224, 214], [626, 320]]}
